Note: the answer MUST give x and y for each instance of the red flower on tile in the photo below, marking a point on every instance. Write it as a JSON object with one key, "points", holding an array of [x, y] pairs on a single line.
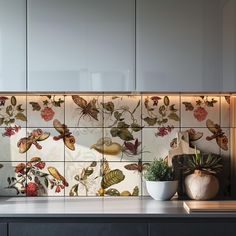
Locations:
{"points": [[163, 131], [40, 165], [20, 168], [131, 148], [32, 189], [47, 113], [200, 113], [9, 131]]}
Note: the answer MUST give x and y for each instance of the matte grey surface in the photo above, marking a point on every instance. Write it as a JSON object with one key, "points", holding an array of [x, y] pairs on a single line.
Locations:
{"points": [[97, 207]]}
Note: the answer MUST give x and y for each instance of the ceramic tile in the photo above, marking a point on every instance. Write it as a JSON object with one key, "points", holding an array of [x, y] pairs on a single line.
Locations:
{"points": [[84, 110], [48, 149], [196, 110], [203, 140], [9, 144], [120, 110], [159, 110], [46, 178], [83, 178], [42, 110], [225, 111], [85, 139], [131, 183], [13, 111], [9, 176], [122, 144], [156, 142]]}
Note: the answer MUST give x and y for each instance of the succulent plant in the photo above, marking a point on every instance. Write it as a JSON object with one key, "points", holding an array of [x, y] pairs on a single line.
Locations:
{"points": [[159, 170], [211, 164]]}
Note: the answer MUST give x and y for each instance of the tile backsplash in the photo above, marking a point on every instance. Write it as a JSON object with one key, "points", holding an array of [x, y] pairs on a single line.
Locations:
{"points": [[64, 145]]}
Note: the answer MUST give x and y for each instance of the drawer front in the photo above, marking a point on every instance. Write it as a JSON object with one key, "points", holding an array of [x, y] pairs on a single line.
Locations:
{"points": [[193, 229], [77, 229]]}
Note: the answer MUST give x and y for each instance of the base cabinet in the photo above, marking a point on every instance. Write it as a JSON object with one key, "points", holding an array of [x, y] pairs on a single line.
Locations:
{"points": [[77, 229], [193, 229], [3, 229]]}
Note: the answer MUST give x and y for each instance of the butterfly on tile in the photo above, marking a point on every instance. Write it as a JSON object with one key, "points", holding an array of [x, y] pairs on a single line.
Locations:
{"points": [[137, 166], [34, 137], [87, 108], [65, 134], [217, 134]]}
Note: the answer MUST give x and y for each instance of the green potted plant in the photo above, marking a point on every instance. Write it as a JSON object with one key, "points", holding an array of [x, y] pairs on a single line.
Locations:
{"points": [[201, 182], [160, 181]]}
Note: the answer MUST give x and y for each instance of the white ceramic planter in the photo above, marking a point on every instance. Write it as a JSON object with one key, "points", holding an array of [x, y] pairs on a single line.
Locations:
{"points": [[162, 190]]}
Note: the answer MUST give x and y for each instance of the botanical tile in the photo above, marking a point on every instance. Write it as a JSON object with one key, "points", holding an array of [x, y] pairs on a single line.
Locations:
{"points": [[84, 147], [13, 111], [45, 178], [160, 110], [122, 110], [84, 110], [196, 110], [9, 144], [203, 139], [157, 142], [121, 144], [11, 176], [43, 109], [225, 111], [83, 177], [125, 182], [49, 148]]}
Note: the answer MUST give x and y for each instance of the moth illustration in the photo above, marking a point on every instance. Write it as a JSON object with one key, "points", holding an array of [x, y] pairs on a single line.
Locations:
{"points": [[137, 166], [217, 134], [87, 108], [34, 137], [65, 134]]}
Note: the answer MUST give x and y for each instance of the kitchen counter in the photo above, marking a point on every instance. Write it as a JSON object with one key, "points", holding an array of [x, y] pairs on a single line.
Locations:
{"points": [[98, 207], [126, 216]]}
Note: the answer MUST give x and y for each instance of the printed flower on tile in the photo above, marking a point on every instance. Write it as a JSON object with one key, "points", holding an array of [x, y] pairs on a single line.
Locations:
{"points": [[33, 180], [199, 108], [9, 131], [10, 113], [163, 131], [46, 110], [84, 179], [158, 114]]}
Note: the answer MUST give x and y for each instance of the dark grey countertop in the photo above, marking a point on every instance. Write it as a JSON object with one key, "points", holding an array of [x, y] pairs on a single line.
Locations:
{"points": [[98, 207]]}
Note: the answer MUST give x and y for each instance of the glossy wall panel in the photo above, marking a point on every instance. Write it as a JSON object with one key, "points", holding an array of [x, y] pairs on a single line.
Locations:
{"points": [[179, 45], [13, 45], [81, 45]]}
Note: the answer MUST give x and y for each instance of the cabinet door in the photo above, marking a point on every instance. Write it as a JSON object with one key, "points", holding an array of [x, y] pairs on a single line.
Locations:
{"points": [[73, 229], [3, 229], [193, 229], [179, 45], [12, 45], [81, 45]]}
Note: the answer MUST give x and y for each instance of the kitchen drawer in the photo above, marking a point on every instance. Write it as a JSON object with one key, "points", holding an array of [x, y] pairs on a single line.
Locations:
{"points": [[193, 229], [77, 229]]}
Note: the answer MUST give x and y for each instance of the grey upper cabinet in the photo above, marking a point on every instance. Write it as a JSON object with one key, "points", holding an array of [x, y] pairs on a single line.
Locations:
{"points": [[12, 45], [81, 45], [186, 45]]}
